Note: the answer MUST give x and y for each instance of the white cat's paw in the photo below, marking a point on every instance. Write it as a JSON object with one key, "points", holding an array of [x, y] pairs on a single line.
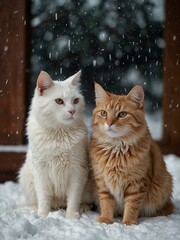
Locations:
{"points": [[43, 213], [31, 208], [72, 215]]}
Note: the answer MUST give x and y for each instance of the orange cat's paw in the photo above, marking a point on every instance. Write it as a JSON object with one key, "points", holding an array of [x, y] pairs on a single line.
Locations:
{"points": [[104, 220], [130, 222]]}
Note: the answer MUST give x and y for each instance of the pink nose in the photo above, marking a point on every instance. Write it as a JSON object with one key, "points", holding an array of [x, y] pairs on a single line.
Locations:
{"points": [[109, 123], [72, 112]]}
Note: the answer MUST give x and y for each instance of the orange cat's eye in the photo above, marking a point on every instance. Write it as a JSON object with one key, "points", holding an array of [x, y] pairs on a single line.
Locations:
{"points": [[76, 100], [59, 101], [103, 113], [122, 114]]}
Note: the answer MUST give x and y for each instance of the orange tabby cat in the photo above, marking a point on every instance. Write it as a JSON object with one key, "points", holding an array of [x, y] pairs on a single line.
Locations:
{"points": [[129, 170]]}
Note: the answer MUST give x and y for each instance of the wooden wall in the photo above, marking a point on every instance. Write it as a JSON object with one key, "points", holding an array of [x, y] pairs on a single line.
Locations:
{"points": [[13, 67], [14, 71], [171, 97]]}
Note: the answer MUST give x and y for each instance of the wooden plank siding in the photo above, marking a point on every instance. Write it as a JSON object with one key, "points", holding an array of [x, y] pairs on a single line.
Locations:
{"points": [[14, 62], [10, 163], [13, 71], [171, 96], [14, 75]]}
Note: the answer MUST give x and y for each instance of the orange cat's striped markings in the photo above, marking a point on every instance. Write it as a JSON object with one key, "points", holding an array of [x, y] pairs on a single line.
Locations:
{"points": [[128, 167]]}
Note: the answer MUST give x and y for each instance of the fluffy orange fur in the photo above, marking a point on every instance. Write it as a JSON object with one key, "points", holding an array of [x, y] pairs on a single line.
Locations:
{"points": [[129, 171]]}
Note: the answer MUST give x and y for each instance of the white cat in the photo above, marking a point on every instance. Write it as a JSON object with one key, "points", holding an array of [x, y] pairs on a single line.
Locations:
{"points": [[56, 167]]}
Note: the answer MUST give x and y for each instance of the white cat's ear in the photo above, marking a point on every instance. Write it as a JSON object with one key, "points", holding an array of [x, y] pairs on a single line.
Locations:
{"points": [[100, 93], [44, 82], [75, 79], [137, 95]]}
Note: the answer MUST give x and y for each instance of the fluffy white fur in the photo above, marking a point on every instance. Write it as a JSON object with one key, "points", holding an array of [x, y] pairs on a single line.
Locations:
{"points": [[56, 167]]}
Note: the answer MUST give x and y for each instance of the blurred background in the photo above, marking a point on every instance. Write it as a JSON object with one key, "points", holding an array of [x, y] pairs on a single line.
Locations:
{"points": [[116, 43]]}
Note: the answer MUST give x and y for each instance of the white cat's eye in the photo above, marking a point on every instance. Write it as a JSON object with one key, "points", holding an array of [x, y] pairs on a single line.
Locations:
{"points": [[59, 101], [103, 113], [122, 114], [76, 100]]}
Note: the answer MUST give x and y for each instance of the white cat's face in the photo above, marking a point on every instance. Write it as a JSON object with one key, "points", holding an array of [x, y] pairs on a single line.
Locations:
{"points": [[58, 102]]}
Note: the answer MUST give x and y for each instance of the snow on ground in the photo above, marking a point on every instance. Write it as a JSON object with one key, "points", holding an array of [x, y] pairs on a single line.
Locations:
{"points": [[21, 223]]}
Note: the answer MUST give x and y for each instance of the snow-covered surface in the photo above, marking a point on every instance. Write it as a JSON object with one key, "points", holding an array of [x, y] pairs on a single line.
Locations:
{"points": [[21, 223], [155, 124], [13, 148]]}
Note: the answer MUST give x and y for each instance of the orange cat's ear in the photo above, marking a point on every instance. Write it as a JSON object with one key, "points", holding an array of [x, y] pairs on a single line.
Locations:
{"points": [[75, 79], [44, 82], [137, 95], [100, 93]]}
